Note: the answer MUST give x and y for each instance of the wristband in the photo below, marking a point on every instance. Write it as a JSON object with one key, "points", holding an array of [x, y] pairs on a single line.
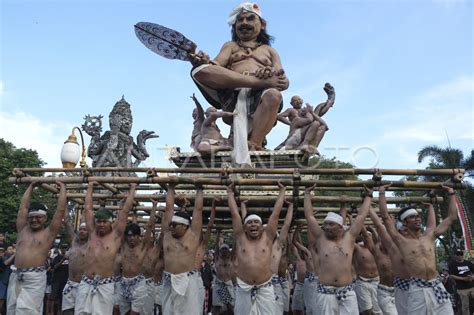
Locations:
{"points": [[452, 194]]}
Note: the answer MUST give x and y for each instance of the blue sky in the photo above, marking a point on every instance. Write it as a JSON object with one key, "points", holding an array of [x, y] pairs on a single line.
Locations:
{"points": [[402, 70]]}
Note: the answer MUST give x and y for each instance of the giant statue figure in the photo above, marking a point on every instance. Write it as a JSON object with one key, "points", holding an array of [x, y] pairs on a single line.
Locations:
{"points": [[116, 147], [246, 76]]}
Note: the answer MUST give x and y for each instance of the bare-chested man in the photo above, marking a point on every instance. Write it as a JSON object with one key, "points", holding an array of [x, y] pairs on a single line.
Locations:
{"points": [[426, 294], [201, 253], [149, 262], [132, 288], [181, 239], [367, 277], [246, 75], [27, 282], [303, 265], [77, 264], [401, 280], [279, 249], [335, 248], [385, 290], [96, 290], [223, 293], [254, 291], [289, 114]]}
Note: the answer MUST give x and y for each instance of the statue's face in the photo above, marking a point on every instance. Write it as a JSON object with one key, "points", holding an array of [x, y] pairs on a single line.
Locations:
{"points": [[122, 123], [248, 26], [296, 102]]}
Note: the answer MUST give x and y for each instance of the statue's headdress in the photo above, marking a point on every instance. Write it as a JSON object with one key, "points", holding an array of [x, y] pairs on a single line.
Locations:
{"points": [[246, 6]]}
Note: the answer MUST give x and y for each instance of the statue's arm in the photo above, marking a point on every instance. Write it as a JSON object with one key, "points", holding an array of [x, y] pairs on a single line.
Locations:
{"points": [[278, 67], [283, 117]]}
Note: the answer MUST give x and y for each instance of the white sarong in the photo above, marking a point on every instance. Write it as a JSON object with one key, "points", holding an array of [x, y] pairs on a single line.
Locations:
{"points": [[309, 292], [428, 297], [95, 296], [279, 295], [159, 293], [366, 291], [255, 299], [297, 303], [223, 293], [336, 300], [401, 285], [69, 295], [150, 296], [285, 288], [26, 289], [386, 299], [180, 293], [132, 293]]}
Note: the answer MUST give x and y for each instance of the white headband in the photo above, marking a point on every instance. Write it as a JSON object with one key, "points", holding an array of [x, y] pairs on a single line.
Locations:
{"points": [[252, 217], [246, 6], [408, 213], [181, 220], [37, 211], [334, 217], [83, 224]]}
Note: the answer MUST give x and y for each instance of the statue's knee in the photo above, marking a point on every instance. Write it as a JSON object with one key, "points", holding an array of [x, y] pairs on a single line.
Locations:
{"points": [[272, 98]]}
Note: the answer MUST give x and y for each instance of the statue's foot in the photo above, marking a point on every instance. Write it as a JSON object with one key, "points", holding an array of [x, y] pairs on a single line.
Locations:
{"points": [[310, 150], [255, 147]]}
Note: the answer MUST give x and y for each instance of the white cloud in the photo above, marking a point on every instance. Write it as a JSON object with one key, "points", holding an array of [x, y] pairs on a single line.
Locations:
{"points": [[444, 110], [26, 131]]}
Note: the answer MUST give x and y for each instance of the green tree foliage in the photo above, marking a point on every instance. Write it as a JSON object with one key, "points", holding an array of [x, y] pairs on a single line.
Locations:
{"points": [[10, 194]]}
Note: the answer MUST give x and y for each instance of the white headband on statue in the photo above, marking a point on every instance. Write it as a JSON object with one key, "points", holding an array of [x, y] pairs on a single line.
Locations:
{"points": [[181, 220], [334, 217], [37, 211], [246, 6], [252, 217], [408, 213]]}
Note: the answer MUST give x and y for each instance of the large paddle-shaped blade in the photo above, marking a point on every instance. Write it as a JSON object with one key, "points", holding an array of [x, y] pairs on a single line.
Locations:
{"points": [[165, 42]]}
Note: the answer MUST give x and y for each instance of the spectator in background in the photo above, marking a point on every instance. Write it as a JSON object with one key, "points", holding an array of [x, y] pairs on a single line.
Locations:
{"points": [[3, 241], [462, 270], [60, 273], [6, 260], [450, 285]]}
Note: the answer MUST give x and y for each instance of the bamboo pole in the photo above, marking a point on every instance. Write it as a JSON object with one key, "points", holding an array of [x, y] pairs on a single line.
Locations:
{"points": [[289, 171], [349, 199], [238, 182], [226, 209]]}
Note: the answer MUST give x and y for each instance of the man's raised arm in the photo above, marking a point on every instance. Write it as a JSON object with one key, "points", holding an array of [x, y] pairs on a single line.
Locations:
{"points": [[207, 235], [358, 223], [150, 226], [234, 210], [286, 225], [169, 209], [123, 212], [273, 220], [381, 230], [88, 206], [196, 223], [387, 219], [313, 225], [22, 217], [55, 224], [452, 213]]}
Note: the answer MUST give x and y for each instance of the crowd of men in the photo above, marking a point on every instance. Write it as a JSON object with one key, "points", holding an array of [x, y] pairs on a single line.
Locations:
{"points": [[343, 268]]}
